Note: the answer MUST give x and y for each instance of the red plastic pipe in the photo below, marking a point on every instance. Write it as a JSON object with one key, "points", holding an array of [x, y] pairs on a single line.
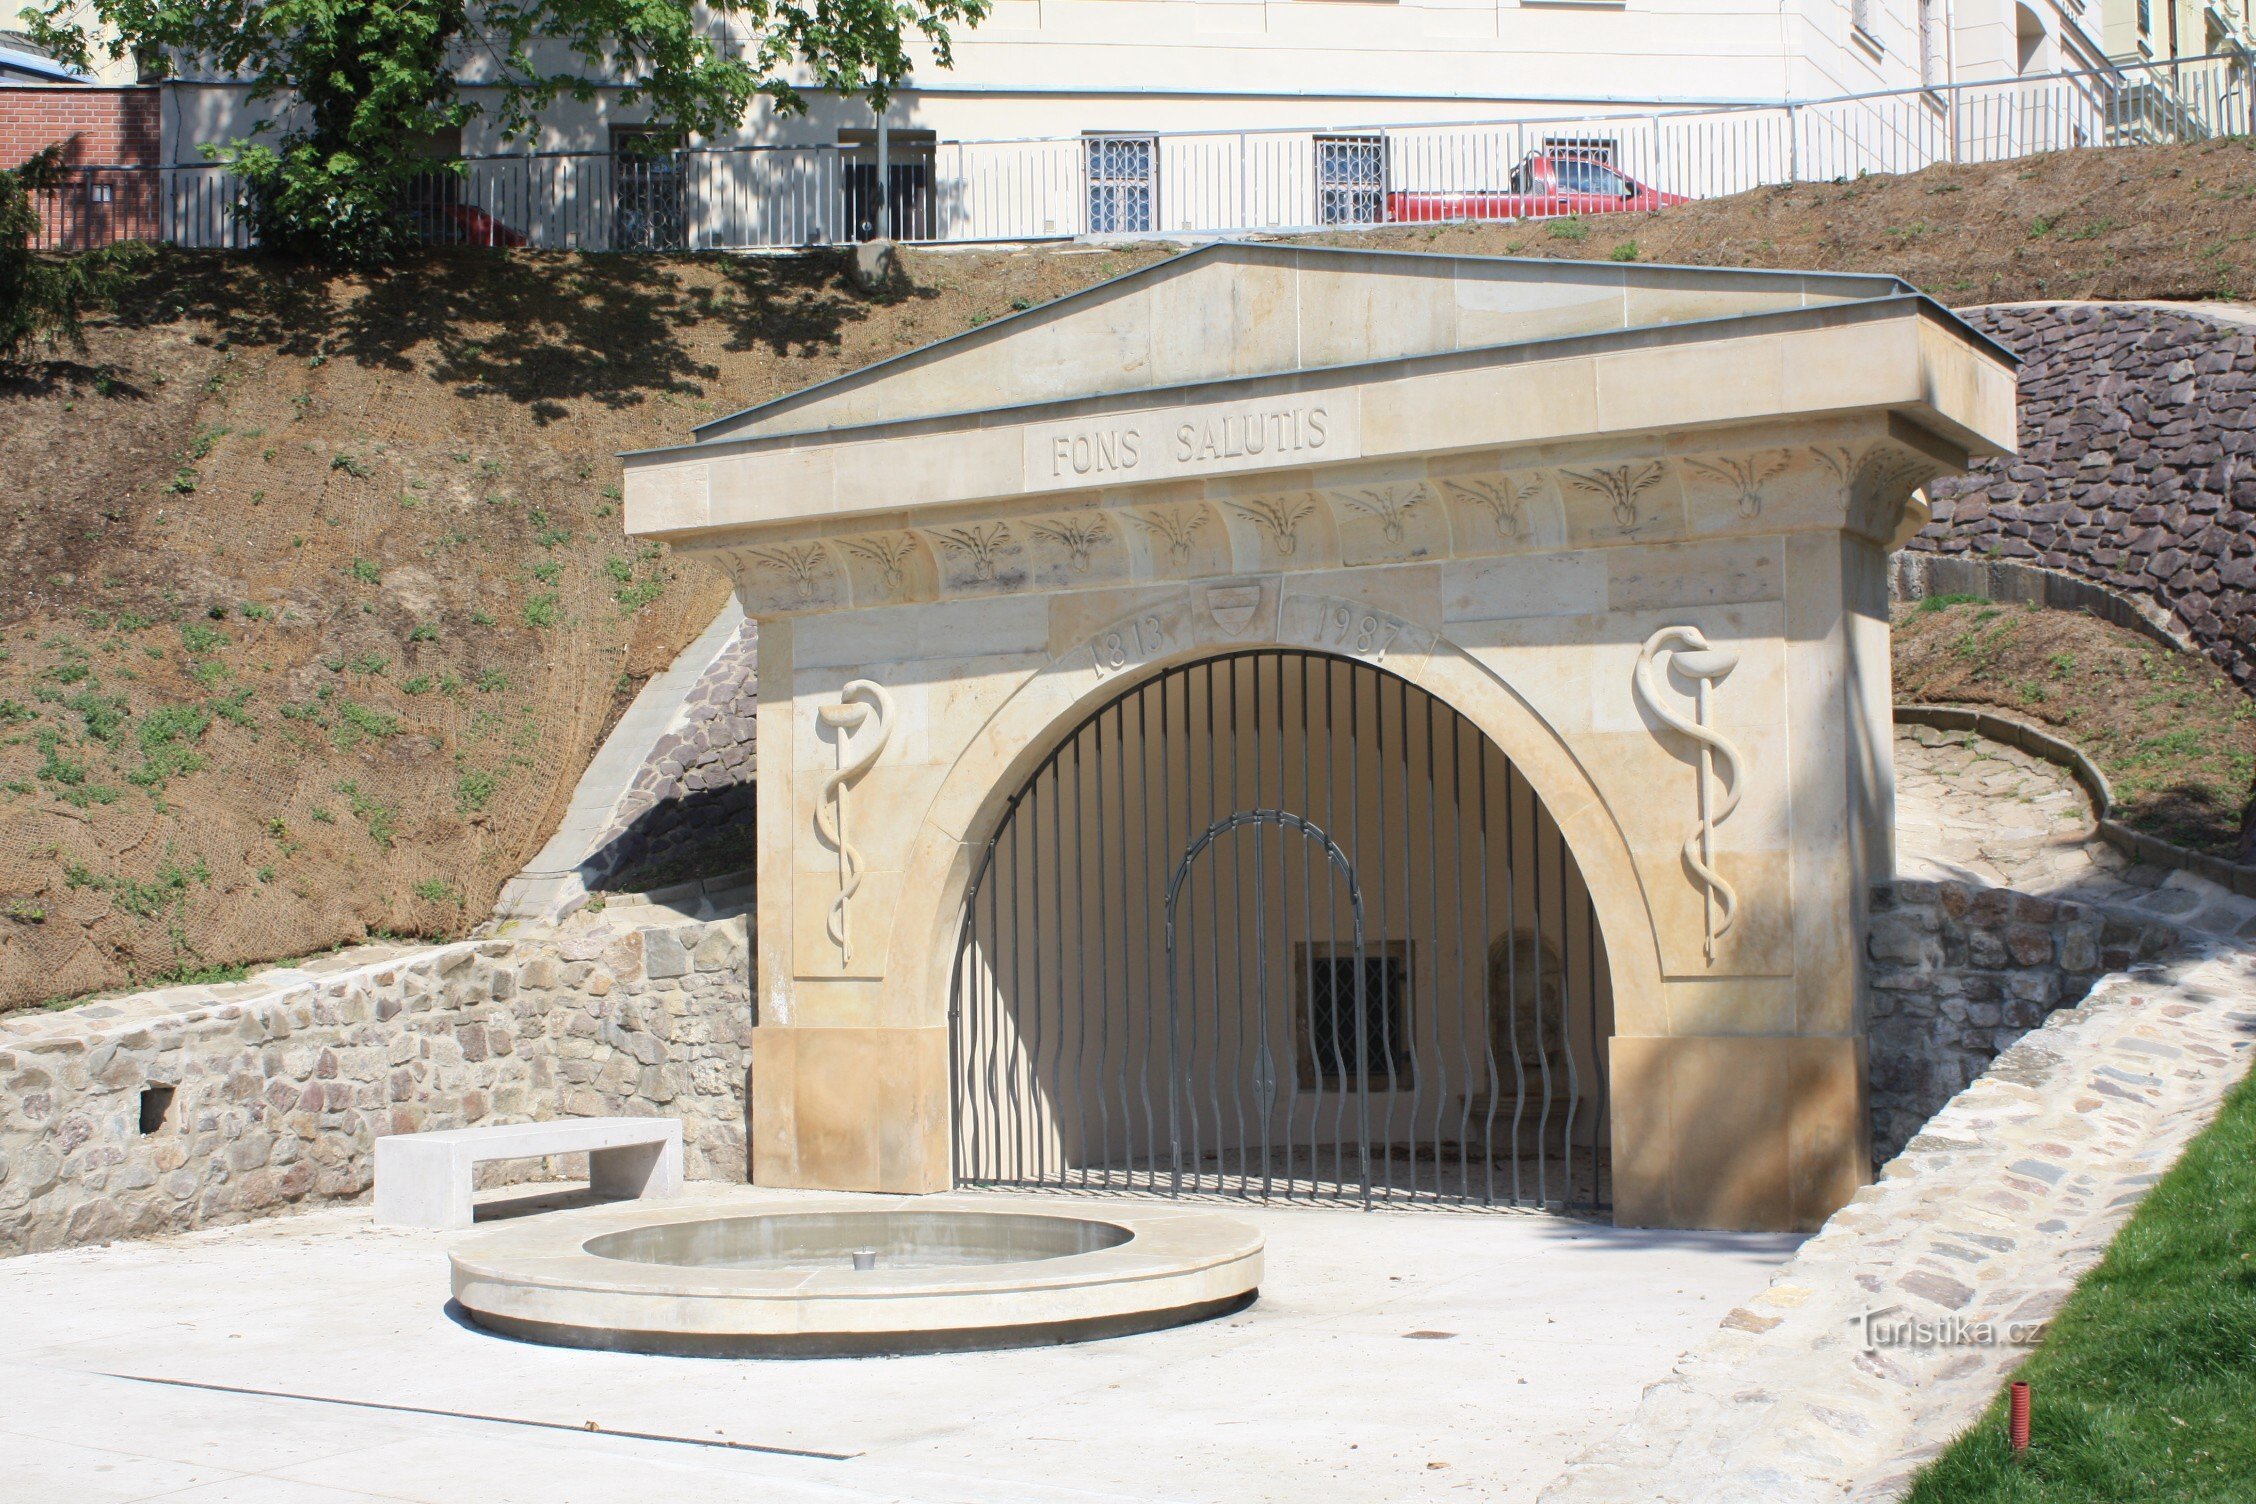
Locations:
{"points": [[2017, 1416]]}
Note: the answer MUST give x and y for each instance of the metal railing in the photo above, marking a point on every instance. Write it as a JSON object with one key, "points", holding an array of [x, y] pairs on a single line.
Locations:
{"points": [[1208, 182]]}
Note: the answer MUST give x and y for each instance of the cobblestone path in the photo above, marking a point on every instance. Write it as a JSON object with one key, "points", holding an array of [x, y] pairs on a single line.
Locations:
{"points": [[1815, 1391]]}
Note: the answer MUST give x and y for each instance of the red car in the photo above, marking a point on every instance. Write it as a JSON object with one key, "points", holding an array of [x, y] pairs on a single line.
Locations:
{"points": [[471, 226], [1543, 186]]}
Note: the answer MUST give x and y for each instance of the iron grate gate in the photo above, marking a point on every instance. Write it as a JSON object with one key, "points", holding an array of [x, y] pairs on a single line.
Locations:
{"points": [[1280, 924]]}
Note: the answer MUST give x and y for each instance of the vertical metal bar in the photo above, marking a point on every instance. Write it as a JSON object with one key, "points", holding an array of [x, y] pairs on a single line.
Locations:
{"points": [[956, 1170], [1260, 997], [1468, 997], [1362, 1079], [1104, 951], [1067, 1011], [1151, 982], [1214, 798], [994, 1028], [1127, 992], [1410, 1002], [1566, 1010], [1307, 954], [1167, 806], [1433, 959], [1542, 1051], [1386, 917], [1283, 1057], [1238, 952], [1080, 1083], [1512, 964], [1036, 1004], [1598, 1198], [1016, 945]]}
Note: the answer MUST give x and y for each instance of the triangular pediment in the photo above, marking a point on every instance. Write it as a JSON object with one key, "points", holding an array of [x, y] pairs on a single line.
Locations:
{"points": [[1233, 310]]}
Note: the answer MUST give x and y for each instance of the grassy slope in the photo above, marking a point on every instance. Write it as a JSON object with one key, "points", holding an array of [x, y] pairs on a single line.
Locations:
{"points": [[2175, 737], [311, 496], [2145, 1387]]}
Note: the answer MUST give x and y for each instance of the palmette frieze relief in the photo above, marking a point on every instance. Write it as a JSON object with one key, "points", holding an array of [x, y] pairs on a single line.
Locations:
{"points": [[1390, 506], [1505, 500], [1280, 517], [1079, 535], [1126, 537], [806, 572], [1177, 529], [1744, 476], [892, 555], [1622, 487]]}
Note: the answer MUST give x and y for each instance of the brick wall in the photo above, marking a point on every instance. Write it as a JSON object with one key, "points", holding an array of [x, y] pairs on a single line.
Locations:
{"points": [[114, 137]]}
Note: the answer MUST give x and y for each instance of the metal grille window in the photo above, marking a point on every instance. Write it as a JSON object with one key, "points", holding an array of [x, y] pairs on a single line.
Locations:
{"points": [[1598, 149], [1350, 180], [647, 212], [1123, 183], [1351, 1035]]}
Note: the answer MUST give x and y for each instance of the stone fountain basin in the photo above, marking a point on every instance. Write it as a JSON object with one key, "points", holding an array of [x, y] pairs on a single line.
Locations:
{"points": [[773, 1278]]}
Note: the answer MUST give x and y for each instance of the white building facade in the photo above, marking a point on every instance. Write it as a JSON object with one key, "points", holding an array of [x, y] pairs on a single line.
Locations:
{"points": [[1075, 117]]}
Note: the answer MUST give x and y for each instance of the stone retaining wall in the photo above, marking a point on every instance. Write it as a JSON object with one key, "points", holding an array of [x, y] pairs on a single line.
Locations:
{"points": [[697, 782], [280, 1086], [2137, 467], [1960, 972], [196, 1106]]}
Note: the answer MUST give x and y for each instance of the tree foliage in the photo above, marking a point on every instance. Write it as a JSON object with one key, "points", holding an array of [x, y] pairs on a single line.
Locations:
{"points": [[44, 298], [362, 86]]}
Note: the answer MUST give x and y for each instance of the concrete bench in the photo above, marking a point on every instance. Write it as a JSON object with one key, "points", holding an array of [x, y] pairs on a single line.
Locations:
{"points": [[423, 1179]]}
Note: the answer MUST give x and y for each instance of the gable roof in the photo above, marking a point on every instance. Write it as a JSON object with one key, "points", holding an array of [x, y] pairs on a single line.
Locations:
{"points": [[1233, 309]]}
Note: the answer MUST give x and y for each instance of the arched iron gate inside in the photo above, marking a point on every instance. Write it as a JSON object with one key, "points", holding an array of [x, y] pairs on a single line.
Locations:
{"points": [[1281, 924]]}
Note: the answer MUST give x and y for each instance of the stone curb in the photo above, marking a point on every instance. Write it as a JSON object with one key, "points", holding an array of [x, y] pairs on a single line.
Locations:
{"points": [[1914, 576], [2006, 1198], [2137, 845]]}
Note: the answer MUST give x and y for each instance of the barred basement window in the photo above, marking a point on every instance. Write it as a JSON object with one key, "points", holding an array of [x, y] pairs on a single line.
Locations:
{"points": [[1350, 180], [649, 211], [1351, 1041], [1123, 173]]}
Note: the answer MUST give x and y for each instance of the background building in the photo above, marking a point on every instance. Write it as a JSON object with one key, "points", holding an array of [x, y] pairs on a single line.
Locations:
{"points": [[1066, 117]]}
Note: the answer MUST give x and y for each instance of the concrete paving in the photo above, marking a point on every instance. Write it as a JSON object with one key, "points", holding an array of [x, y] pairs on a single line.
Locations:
{"points": [[1392, 1356]]}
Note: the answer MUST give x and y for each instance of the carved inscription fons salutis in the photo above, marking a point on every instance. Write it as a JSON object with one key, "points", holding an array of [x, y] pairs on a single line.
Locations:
{"points": [[1111, 450]]}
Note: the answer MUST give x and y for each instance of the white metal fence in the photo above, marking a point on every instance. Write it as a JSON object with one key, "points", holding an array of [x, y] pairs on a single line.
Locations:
{"points": [[1211, 182]]}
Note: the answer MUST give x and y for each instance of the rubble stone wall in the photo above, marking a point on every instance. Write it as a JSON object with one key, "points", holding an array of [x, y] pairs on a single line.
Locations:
{"points": [[192, 1107], [2137, 467], [1959, 972]]}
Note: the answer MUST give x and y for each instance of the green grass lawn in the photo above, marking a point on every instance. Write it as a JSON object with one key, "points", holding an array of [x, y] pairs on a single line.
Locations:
{"points": [[2144, 1391]]}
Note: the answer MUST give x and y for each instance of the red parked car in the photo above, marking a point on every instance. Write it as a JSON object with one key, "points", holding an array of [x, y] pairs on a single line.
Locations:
{"points": [[1543, 186]]}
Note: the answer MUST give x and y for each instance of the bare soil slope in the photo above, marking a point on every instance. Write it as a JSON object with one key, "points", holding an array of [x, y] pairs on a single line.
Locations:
{"points": [[314, 600], [2175, 222]]}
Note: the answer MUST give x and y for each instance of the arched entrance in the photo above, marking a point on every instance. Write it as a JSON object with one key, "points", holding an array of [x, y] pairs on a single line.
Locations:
{"points": [[1281, 924]]}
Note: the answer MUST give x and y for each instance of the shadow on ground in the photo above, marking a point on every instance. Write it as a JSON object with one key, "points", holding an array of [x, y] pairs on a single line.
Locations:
{"points": [[539, 329]]}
